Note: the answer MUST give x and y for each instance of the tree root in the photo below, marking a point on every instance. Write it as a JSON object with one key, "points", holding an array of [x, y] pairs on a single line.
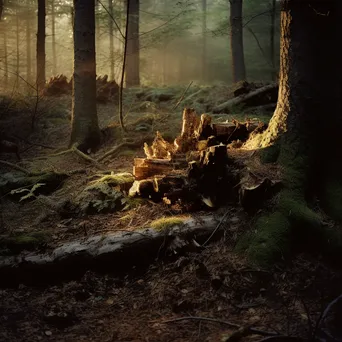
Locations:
{"points": [[117, 148], [15, 167]]}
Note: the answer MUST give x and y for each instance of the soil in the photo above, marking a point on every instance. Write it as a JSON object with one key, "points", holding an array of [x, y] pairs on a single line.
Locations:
{"points": [[215, 283]]}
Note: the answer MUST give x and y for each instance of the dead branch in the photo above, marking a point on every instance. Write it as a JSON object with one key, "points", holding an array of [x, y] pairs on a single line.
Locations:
{"points": [[117, 148], [86, 157], [226, 106], [182, 96]]}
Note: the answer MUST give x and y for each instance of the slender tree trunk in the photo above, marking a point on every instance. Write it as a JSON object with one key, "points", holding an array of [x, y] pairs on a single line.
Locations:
{"points": [[41, 77], [272, 31], [236, 41], [1, 8], [111, 38], [28, 50], [53, 33], [133, 56], [97, 28], [204, 42], [5, 58], [85, 131], [310, 148], [17, 35]]}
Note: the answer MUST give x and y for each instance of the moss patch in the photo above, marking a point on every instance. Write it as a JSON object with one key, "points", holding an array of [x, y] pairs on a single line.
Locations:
{"points": [[269, 241], [168, 222]]}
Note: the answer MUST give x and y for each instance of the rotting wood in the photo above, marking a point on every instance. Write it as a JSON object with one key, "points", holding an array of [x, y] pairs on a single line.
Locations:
{"points": [[114, 253], [225, 107]]}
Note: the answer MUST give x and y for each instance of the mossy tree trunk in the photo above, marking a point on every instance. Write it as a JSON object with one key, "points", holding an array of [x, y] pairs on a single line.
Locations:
{"points": [[133, 56], [85, 128], [236, 41], [307, 123]]}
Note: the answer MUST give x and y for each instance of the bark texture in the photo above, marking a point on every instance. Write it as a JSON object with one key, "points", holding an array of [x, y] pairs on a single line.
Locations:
{"points": [[236, 41], [85, 129], [307, 120], [41, 77], [133, 56]]}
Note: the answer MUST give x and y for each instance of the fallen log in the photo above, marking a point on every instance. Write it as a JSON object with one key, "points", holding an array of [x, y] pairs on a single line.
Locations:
{"points": [[267, 92], [115, 253]]}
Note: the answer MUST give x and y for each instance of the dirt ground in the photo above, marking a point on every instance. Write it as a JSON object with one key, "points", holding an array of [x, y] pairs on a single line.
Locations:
{"points": [[142, 305]]}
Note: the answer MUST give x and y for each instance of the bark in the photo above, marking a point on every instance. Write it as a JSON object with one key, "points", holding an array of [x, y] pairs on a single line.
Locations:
{"points": [[133, 46], [111, 39], [41, 76], [236, 41], [309, 148], [53, 33], [85, 129]]}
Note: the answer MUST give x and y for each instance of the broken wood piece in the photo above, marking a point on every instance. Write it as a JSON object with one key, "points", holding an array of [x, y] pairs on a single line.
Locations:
{"points": [[260, 96]]}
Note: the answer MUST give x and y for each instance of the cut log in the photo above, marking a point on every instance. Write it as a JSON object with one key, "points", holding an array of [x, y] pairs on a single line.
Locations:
{"points": [[145, 168], [259, 96], [115, 253]]}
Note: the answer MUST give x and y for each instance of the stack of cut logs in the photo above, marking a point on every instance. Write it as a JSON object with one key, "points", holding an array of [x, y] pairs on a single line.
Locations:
{"points": [[195, 170]]}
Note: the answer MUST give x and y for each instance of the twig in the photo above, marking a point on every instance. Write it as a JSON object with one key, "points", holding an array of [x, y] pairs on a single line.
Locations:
{"points": [[220, 321], [217, 227], [182, 96]]}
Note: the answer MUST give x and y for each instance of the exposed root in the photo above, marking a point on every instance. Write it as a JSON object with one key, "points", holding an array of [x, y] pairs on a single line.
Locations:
{"points": [[16, 167], [117, 148]]}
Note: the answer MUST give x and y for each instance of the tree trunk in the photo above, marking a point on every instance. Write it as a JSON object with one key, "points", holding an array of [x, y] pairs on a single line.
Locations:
{"points": [[309, 147], [5, 58], [85, 129], [236, 41], [111, 39], [41, 77], [28, 49], [272, 31], [133, 56], [17, 48], [204, 42], [53, 33]]}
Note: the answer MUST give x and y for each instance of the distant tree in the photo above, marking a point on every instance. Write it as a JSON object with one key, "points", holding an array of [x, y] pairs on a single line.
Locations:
{"points": [[236, 41], [133, 46], [85, 131], [53, 36], [272, 34], [111, 38], [28, 48], [41, 64]]}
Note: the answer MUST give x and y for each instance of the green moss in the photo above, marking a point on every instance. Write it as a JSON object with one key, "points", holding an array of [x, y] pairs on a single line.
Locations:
{"points": [[270, 154], [23, 241], [115, 179], [168, 222], [134, 202], [269, 241]]}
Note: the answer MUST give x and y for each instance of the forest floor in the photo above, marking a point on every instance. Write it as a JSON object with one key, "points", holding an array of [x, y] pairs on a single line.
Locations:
{"points": [[212, 284]]}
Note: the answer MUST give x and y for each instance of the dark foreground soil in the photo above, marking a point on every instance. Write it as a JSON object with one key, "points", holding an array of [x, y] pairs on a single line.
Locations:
{"points": [[212, 284]]}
